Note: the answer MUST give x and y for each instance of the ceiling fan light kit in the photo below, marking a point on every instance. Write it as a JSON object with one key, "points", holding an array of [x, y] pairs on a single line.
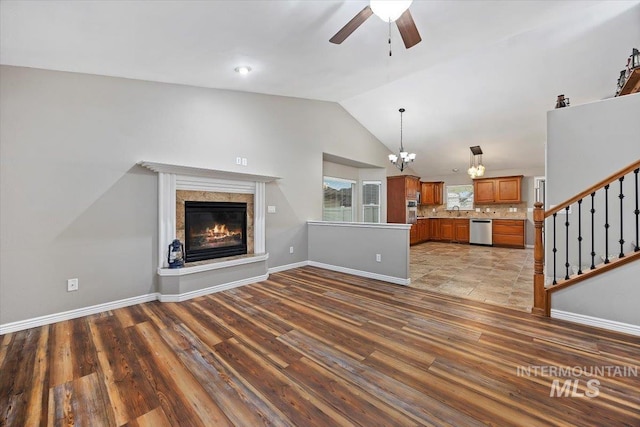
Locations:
{"points": [[389, 11]]}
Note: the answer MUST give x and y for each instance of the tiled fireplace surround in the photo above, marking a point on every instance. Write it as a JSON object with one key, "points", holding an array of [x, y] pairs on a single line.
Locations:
{"points": [[179, 183]]}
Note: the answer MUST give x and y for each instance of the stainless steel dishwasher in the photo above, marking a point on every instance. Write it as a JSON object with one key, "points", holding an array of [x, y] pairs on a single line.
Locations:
{"points": [[480, 231]]}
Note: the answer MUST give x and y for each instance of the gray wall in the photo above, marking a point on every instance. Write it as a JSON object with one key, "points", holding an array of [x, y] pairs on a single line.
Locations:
{"points": [[73, 203], [354, 246], [585, 144]]}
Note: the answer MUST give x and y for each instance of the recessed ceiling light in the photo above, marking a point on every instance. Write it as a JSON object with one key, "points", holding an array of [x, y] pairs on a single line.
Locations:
{"points": [[243, 69]]}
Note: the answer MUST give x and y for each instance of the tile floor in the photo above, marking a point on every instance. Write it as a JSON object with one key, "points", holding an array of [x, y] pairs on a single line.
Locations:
{"points": [[493, 275]]}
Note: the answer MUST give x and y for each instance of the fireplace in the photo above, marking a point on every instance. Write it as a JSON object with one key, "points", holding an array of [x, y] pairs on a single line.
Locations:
{"points": [[214, 230]]}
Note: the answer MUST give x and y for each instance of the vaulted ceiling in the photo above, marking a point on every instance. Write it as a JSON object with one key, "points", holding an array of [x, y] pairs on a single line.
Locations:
{"points": [[486, 72]]}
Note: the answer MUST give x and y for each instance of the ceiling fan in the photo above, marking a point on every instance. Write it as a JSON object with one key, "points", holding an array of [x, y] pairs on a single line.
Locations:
{"points": [[388, 11]]}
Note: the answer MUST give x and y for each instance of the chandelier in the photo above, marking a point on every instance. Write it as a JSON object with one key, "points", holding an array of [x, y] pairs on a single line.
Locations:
{"points": [[404, 157], [476, 168]]}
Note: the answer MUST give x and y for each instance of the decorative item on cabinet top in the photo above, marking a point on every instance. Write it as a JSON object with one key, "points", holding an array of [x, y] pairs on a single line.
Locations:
{"points": [[629, 79]]}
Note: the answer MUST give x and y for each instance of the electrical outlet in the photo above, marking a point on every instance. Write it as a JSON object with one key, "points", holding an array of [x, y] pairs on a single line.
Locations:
{"points": [[477, 209], [378, 257], [72, 285], [244, 161], [238, 160], [290, 249]]}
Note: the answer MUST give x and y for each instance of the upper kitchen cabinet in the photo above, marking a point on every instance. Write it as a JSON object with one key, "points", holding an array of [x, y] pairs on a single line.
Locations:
{"points": [[504, 189], [431, 193], [406, 185]]}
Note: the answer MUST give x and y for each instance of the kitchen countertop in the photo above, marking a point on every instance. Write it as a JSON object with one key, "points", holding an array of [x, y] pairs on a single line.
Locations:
{"points": [[472, 217]]}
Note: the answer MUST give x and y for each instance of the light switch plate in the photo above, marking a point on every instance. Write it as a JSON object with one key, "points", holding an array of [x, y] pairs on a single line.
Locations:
{"points": [[271, 209]]}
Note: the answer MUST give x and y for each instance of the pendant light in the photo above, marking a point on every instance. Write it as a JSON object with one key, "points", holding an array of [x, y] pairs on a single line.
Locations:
{"points": [[476, 168], [403, 158]]}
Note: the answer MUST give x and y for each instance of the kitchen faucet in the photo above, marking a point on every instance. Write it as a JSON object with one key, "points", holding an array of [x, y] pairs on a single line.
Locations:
{"points": [[454, 208]]}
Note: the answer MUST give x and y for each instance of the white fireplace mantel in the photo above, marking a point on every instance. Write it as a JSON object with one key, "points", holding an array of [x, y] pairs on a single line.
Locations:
{"points": [[178, 177]]}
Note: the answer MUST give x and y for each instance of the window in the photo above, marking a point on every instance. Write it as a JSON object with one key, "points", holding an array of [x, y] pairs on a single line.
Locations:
{"points": [[460, 196], [371, 201], [337, 201]]}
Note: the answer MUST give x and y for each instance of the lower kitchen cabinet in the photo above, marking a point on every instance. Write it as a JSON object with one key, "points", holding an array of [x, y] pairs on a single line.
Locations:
{"points": [[506, 232], [509, 233], [449, 230], [420, 231], [446, 229], [434, 229], [461, 230]]}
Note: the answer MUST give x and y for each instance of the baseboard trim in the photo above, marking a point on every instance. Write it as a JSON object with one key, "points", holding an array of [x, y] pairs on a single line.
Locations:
{"points": [[367, 274], [99, 308], [210, 290], [288, 267], [597, 322], [20, 325]]}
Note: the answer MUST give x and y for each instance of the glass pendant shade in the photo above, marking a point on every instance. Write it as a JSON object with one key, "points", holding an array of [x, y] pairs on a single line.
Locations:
{"points": [[476, 168]]}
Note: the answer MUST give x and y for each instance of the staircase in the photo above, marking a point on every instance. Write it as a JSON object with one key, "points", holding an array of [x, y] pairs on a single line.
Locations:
{"points": [[589, 243]]}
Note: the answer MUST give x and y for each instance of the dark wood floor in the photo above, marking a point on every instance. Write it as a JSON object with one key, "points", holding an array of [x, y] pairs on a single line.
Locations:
{"points": [[311, 347]]}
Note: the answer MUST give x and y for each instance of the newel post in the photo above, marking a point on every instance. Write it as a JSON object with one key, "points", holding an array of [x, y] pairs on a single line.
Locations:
{"points": [[540, 302]]}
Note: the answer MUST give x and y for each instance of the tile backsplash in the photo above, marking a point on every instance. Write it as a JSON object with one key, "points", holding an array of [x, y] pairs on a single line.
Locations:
{"points": [[486, 211]]}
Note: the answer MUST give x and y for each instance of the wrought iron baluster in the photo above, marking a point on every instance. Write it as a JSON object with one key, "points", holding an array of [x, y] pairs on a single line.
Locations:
{"points": [[606, 224], [637, 211], [566, 242], [580, 236], [593, 232], [555, 250], [621, 241]]}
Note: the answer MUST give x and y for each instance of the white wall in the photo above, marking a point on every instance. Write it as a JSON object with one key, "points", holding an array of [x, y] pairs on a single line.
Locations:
{"points": [[585, 144], [74, 204]]}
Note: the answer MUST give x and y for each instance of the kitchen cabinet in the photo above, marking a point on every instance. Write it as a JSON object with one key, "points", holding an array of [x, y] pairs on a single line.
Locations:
{"points": [[446, 229], [509, 233], [431, 193], [454, 230], [420, 231], [413, 234], [461, 230], [400, 189], [434, 229], [506, 189]]}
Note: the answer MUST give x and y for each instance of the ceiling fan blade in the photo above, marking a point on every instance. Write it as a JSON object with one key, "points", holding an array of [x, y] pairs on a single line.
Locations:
{"points": [[352, 25], [408, 30]]}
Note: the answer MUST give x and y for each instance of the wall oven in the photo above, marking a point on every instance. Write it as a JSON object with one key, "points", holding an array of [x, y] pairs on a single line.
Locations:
{"points": [[412, 211]]}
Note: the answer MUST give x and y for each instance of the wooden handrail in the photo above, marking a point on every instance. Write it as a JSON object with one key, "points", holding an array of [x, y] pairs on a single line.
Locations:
{"points": [[635, 165], [541, 294]]}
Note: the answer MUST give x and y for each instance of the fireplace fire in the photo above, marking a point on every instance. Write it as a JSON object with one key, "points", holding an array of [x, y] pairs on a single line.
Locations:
{"points": [[214, 230]]}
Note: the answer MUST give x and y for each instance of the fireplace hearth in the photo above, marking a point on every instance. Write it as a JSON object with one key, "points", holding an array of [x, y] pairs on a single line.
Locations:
{"points": [[214, 230]]}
